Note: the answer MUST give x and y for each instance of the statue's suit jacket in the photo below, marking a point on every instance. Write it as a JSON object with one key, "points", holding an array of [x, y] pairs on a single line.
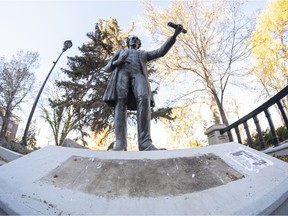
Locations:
{"points": [[110, 94]]}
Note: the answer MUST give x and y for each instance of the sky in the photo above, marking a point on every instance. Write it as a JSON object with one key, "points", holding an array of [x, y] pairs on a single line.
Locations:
{"points": [[43, 26]]}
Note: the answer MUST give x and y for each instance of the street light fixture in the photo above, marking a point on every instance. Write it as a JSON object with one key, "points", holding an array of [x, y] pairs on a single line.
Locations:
{"points": [[67, 44]]}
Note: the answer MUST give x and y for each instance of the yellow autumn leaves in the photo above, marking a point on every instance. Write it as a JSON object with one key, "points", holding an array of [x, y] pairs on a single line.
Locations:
{"points": [[269, 45]]}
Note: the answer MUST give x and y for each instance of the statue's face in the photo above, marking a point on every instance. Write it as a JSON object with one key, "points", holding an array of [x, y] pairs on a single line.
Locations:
{"points": [[134, 42]]}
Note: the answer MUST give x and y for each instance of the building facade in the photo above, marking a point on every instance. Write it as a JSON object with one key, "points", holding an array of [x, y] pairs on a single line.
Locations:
{"points": [[12, 129]]}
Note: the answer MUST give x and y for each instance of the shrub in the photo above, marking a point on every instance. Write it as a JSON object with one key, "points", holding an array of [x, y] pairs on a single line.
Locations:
{"points": [[281, 133], [17, 147]]}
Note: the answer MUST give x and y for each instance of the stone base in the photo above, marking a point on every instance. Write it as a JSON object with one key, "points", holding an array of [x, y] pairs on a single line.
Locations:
{"points": [[222, 179]]}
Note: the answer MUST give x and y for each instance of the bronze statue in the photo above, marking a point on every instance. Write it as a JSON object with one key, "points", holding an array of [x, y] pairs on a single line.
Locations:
{"points": [[129, 88]]}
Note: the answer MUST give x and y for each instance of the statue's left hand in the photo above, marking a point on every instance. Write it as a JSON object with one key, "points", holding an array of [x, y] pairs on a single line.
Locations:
{"points": [[117, 63], [121, 59]]}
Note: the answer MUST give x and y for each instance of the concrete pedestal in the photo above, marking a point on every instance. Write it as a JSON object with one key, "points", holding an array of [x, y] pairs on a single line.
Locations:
{"points": [[214, 135], [220, 179]]}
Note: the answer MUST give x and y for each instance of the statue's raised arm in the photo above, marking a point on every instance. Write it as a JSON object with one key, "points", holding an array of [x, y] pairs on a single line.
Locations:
{"points": [[129, 88]]}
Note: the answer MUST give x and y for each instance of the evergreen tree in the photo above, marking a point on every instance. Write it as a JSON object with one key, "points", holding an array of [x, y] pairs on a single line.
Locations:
{"points": [[87, 81]]}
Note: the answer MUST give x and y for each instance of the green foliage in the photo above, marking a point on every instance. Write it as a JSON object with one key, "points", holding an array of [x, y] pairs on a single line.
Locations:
{"points": [[17, 147], [163, 113], [31, 139], [281, 133], [86, 83]]}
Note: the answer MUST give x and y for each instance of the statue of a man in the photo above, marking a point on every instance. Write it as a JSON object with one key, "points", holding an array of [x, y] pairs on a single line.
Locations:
{"points": [[129, 88]]}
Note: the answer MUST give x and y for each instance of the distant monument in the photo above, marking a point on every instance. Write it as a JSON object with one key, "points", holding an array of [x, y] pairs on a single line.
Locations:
{"points": [[129, 88]]}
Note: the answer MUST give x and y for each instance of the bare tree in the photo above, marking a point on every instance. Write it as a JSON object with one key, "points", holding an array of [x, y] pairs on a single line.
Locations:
{"points": [[16, 81], [62, 120], [215, 43]]}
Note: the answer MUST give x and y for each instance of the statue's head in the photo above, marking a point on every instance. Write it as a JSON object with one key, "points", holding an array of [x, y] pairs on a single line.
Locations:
{"points": [[133, 41]]}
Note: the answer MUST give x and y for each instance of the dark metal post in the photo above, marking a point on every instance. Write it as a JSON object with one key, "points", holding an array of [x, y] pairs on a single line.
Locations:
{"points": [[284, 116], [237, 131], [260, 135], [67, 45], [249, 138], [272, 128]]}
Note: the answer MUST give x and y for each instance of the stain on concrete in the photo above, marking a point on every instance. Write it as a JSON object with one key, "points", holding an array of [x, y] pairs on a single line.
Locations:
{"points": [[112, 178]]}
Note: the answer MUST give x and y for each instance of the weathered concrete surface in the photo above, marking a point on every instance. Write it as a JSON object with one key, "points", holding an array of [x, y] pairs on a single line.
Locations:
{"points": [[2, 161], [222, 179], [9, 155], [141, 178], [2, 212]]}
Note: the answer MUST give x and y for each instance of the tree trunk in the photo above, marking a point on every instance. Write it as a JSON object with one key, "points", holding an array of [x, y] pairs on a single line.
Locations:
{"points": [[215, 110], [4, 126], [220, 108], [215, 105]]}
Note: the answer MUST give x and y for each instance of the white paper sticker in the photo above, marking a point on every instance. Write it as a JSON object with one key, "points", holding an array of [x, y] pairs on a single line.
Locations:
{"points": [[249, 160]]}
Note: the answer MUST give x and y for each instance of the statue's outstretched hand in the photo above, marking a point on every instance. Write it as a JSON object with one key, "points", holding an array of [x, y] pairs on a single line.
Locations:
{"points": [[178, 30]]}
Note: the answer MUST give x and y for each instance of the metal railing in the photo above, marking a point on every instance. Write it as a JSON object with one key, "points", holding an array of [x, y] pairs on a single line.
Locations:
{"points": [[264, 108]]}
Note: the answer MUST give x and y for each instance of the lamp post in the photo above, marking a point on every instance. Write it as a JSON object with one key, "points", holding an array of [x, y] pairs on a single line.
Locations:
{"points": [[67, 44]]}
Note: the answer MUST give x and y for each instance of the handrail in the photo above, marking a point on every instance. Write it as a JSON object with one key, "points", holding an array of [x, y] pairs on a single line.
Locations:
{"points": [[263, 108]]}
